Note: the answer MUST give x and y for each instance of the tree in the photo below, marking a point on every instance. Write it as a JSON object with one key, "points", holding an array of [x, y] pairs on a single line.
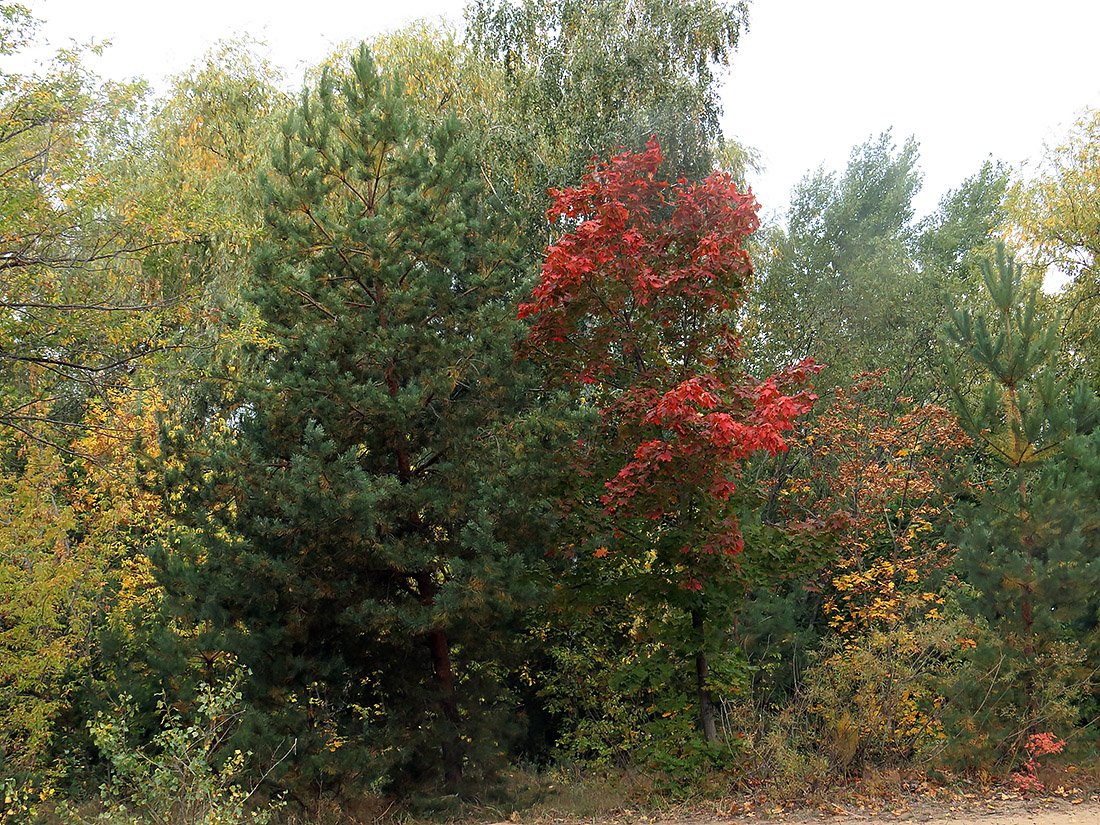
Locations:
{"points": [[75, 524], [954, 239], [196, 181], [442, 73], [636, 311], [1027, 543], [585, 79], [1055, 218], [348, 529], [875, 474], [44, 604], [16, 27], [885, 474], [73, 316], [76, 318], [840, 282]]}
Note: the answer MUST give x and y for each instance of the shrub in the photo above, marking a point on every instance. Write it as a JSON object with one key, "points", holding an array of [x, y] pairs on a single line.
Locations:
{"points": [[186, 775]]}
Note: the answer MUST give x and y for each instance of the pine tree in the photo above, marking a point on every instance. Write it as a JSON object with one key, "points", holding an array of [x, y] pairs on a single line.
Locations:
{"points": [[349, 527], [1028, 543]]}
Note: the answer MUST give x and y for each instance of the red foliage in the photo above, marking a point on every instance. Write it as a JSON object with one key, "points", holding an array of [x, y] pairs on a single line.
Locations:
{"points": [[639, 267], [1038, 744], [635, 305]]}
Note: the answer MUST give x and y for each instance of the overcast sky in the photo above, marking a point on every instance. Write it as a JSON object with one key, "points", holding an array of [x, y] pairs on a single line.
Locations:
{"points": [[812, 78]]}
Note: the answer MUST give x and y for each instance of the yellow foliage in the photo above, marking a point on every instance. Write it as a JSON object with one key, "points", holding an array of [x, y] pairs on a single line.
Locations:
{"points": [[881, 471], [1055, 221]]}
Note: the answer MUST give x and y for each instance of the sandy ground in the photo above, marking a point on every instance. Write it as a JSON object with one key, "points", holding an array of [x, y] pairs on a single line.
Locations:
{"points": [[1019, 815], [983, 812], [911, 803]]}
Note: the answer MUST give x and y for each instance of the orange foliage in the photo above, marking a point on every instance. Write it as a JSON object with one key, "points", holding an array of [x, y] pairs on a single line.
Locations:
{"points": [[882, 471]]}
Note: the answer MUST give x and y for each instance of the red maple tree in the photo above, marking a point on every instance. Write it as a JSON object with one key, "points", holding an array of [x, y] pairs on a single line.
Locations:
{"points": [[636, 309]]}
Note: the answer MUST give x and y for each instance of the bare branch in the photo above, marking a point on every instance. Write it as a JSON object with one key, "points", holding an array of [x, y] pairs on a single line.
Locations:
{"points": [[17, 260], [61, 362]]}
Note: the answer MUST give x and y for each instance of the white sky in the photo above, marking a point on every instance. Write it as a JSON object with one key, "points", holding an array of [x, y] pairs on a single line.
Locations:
{"points": [[969, 78]]}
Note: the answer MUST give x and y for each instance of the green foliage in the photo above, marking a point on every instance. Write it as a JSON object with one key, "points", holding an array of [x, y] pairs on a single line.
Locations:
{"points": [[74, 314], [348, 524], [954, 239], [1055, 218], [442, 75], [16, 27], [997, 699], [616, 684], [1027, 542], [360, 493], [187, 774], [840, 284], [853, 281], [876, 700], [195, 188], [871, 484], [73, 579], [594, 724], [85, 233], [46, 609], [585, 79]]}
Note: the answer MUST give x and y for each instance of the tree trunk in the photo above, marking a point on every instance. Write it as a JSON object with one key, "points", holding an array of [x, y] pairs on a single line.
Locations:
{"points": [[1029, 571], [702, 674], [450, 743], [444, 676]]}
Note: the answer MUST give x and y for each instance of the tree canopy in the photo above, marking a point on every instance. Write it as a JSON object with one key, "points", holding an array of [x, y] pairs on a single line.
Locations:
{"points": [[454, 427]]}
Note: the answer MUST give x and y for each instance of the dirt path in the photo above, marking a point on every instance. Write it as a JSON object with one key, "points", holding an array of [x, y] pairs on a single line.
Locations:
{"points": [[921, 805], [1018, 815], [985, 812]]}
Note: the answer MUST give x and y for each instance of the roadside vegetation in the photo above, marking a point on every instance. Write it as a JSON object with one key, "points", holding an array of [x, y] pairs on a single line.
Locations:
{"points": [[452, 437]]}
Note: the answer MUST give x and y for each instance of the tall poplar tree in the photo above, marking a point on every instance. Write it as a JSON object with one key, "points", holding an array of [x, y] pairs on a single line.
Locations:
{"points": [[839, 284], [348, 528]]}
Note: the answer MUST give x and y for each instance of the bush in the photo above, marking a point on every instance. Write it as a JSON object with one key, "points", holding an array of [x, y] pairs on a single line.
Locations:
{"points": [[870, 700], [186, 774], [1003, 697]]}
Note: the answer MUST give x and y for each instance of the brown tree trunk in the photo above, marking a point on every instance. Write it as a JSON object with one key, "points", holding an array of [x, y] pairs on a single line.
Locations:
{"points": [[702, 674], [1025, 615], [450, 743], [1025, 605], [444, 677]]}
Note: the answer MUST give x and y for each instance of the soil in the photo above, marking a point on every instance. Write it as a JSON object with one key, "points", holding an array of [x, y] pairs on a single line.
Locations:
{"points": [[1068, 798], [980, 810], [1032, 812]]}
